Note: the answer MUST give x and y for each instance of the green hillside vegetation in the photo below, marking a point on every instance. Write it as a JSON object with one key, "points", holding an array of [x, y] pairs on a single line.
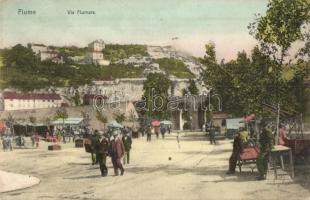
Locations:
{"points": [[174, 67], [23, 70], [116, 52], [70, 50]]}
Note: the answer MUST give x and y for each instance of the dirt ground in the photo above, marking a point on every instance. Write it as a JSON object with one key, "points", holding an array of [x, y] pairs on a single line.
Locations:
{"points": [[196, 171]]}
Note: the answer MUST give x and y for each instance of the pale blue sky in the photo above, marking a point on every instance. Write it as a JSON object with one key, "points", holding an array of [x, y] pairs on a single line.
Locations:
{"points": [[194, 22]]}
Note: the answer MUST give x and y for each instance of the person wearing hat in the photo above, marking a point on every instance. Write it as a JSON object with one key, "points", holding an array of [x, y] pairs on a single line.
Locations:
{"points": [[266, 145], [237, 149], [95, 139], [127, 141], [102, 151], [117, 152]]}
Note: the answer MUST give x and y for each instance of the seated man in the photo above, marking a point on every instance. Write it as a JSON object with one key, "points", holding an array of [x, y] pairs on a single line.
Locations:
{"points": [[237, 149]]}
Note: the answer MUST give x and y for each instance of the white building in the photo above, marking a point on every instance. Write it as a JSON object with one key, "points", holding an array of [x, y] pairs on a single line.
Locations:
{"points": [[97, 45], [95, 55], [24, 101], [38, 48], [44, 52], [137, 61], [47, 55]]}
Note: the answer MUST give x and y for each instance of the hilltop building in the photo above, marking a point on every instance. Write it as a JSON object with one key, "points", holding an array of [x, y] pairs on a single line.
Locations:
{"points": [[95, 56]]}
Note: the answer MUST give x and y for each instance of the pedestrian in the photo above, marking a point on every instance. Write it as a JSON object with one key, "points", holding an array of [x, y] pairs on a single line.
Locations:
{"points": [[237, 149], [148, 134], [156, 130], [212, 135], [95, 139], [282, 135], [117, 150], [169, 129], [163, 131], [127, 141], [37, 139], [266, 145], [142, 130], [32, 139], [102, 150]]}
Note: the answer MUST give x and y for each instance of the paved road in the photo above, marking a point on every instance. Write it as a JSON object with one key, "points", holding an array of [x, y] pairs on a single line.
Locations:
{"points": [[196, 171]]}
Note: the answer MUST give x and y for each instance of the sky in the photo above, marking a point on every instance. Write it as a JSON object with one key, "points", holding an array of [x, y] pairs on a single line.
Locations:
{"points": [[193, 22]]}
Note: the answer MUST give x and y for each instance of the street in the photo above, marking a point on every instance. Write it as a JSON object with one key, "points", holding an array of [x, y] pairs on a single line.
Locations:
{"points": [[196, 170]]}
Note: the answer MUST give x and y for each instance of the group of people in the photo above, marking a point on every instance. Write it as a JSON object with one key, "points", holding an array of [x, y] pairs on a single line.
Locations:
{"points": [[265, 143], [115, 144], [162, 129]]}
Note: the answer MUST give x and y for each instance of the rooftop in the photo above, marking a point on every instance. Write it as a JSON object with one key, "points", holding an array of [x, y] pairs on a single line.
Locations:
{"points": [[26, 95]]}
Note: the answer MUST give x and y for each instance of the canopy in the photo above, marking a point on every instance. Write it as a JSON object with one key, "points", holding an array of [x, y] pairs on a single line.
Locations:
{"points": [[29, 124], [2, 127], [114, 124], [234, 123], [166, 122], [155, 123], [68, 121]]}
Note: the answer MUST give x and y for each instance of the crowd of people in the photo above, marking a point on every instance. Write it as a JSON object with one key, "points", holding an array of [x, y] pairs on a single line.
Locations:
{"points": [[115, 143]]}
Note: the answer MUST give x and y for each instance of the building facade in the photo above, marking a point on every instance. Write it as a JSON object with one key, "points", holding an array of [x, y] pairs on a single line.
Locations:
{"points": [[24, 101]]}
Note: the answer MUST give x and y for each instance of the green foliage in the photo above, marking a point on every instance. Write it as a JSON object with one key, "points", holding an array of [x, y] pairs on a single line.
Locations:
{"points": [[116, 52], [284, 23], [121, 71], [61, 113], [192, 88], [76, 98], [101, 117], [174, 67], [32, 119], [70, 51], [119, 117], [246, 83], [156, 87], [23, 70]]}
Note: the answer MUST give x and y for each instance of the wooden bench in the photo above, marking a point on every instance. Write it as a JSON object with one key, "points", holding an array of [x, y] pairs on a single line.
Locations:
{"points": [[248, 156]]}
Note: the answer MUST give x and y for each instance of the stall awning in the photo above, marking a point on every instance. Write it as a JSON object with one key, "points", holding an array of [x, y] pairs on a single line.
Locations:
{"points": [[234, 123], [68, 121]]}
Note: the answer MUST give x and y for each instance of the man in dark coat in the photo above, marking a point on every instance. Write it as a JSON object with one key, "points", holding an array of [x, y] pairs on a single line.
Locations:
{"points": [[237, 149], [95, 139], [163, 131], [212, 135], [117, 152], [127, 141], [148, 134], [102, 151], [266, 145]]}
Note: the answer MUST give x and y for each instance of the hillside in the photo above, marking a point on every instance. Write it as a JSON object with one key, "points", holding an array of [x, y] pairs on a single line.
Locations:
{"points": [[24, 70]]}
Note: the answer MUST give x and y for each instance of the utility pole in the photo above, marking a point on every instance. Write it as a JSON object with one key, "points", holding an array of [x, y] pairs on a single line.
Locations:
{"points": [[278, 123]]}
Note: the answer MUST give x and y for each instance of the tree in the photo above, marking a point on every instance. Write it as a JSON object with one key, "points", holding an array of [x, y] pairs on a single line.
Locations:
{"points": [[61, 113], [192, 88], [48, 122], [119, 117], [86, 118], [285, 22], [102, 118], [76, 98], [156, 95]]}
